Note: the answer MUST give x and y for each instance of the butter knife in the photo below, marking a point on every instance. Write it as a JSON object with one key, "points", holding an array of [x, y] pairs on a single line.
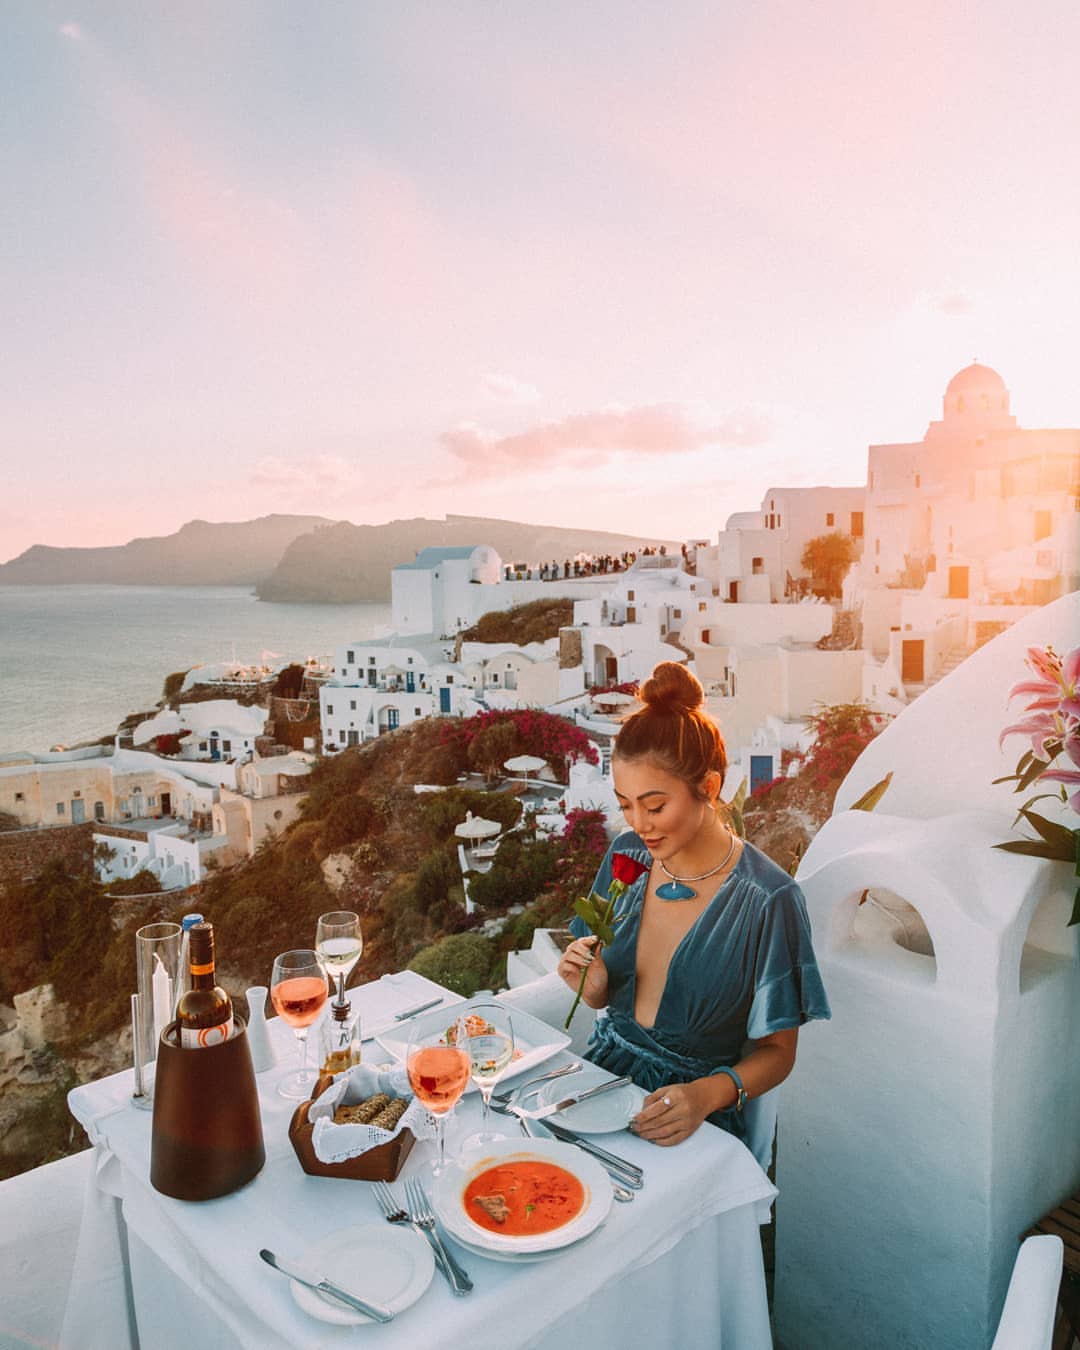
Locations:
{"points": [[542, 1112], [321, 1285]]}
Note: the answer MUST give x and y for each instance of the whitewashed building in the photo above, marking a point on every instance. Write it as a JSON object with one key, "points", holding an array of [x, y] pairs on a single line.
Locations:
{"points": [[384, 684], [967, 531], [217, 729], [446, 590], [758, 554]]}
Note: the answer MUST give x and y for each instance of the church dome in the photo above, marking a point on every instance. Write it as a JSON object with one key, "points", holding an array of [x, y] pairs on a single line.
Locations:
{"points": [[976, 392], [976, 379]]}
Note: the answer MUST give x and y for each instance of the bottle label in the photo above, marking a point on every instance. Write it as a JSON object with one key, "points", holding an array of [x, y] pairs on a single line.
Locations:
{"points": [[198, 1038]]}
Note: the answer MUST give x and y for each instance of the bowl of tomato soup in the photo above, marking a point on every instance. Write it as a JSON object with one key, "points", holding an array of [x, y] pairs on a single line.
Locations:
{"points": [[523, 1196], [512, 1196]]}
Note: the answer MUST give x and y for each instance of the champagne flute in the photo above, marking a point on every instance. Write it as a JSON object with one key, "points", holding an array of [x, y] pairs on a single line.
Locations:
{"points": [[339, 943], [491, 1048], [298, 990], [438, 1066]]}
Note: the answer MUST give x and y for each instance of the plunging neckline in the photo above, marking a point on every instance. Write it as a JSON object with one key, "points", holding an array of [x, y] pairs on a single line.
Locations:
{"points": [[678, 946]]}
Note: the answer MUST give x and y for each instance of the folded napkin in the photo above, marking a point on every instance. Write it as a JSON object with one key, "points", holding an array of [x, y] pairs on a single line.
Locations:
{"points": [[337, 1143]]}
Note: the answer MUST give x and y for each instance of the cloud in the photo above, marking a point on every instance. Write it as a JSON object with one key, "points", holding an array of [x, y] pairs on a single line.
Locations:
{"points": [[71, 31], [501, 388], [954, 303], [655, 429], [319, 471]]}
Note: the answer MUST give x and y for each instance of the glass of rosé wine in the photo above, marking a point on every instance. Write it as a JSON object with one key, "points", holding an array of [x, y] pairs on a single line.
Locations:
{"points": [[439, 1068], [298, 990]]}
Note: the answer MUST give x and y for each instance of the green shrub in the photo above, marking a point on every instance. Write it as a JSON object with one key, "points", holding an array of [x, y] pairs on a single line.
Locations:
{"points": [[522, 869], [348, 821], [443, 812], [462, 962], [434, 878], [142, 883]]}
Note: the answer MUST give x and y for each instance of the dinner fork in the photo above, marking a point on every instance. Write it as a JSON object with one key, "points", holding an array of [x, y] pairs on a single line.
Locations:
{"points": [[423, 1216], [393, 1213]]}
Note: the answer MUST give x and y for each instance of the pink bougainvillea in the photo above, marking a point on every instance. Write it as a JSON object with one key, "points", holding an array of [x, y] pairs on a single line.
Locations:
{"points": [[539, 733]]}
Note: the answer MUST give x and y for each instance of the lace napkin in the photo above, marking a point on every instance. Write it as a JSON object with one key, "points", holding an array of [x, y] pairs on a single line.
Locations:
{"points": [[337, 1143]]}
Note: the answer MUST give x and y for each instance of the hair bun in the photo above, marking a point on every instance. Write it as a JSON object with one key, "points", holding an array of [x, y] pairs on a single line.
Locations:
{"points": [[672, 688]]}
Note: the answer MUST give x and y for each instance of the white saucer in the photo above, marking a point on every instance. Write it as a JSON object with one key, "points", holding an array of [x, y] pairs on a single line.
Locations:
{"points": [[383, 1264], [516, 1258], [605, 1114]]}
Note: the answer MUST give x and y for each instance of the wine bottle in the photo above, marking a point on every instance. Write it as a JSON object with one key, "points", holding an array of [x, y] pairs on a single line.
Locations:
{"points": [[183, 978], [205, 1012]]}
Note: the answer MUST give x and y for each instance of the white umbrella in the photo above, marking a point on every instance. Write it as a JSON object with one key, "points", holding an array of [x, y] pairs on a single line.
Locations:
{"points": [[615, 697], [476, 827], [525, 764]]}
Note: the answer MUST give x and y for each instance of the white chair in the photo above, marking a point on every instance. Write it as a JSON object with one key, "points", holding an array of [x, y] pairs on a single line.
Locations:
{"points": [[1027, 1319]]}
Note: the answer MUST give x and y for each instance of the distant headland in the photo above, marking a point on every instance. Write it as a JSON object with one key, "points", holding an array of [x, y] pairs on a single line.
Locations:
{"points": [[299, 559]]}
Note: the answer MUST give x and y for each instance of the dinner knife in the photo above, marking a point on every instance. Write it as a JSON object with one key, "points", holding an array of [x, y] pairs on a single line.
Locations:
{"points": [[542, 1112], [631, 1173], [321, 1285]]}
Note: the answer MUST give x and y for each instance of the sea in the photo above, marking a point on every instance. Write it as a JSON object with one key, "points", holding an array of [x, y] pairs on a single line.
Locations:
{"points": [[76, 660]]}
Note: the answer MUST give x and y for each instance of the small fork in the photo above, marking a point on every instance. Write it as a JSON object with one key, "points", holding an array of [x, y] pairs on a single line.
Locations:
{"points": [[424, 1218]]}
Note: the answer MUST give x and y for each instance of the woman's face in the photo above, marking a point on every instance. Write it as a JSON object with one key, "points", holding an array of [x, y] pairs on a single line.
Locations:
{"points": [[658, 806]]}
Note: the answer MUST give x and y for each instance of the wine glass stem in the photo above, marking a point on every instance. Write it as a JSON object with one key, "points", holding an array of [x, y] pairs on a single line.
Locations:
{"points": [[440, 1134], [301, 1036], [485, 1097], [341, 986]]}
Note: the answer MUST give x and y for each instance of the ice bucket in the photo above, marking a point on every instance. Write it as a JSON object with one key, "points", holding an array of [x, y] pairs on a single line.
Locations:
{"points": [[207, 1133]]}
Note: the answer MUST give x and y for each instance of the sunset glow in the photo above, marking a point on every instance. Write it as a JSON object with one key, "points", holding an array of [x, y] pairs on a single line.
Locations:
{"points": [[588, 266]]}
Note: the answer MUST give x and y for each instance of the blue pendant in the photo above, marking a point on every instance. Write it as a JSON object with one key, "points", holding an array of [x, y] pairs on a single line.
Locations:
{"points": [[675, 890]]}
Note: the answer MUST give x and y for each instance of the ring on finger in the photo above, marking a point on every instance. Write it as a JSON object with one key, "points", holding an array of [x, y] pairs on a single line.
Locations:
{"points": [[666, 1101]]}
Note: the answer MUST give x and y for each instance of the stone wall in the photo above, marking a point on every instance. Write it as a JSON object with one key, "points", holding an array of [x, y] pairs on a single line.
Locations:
{"points": [[25, 853]]}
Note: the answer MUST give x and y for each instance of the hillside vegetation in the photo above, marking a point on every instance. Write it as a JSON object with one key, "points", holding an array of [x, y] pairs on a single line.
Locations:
{"points": [[536, 621]]}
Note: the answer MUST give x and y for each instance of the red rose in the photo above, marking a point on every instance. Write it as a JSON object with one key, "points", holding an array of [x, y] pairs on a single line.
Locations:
{"points": [[627, 869]]}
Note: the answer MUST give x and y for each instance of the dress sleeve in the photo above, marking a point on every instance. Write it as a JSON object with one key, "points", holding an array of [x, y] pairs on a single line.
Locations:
{"points": [[787, 984]]}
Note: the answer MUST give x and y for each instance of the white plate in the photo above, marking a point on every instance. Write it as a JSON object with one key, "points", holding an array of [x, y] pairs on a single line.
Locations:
{"points": [[535, 1039], [603, 1115], [388, 1266], [517, 1258], [448, 1195]]}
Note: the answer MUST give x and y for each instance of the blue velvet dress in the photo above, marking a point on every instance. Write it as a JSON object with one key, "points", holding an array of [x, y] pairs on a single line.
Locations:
{"points": [[745, 969]]}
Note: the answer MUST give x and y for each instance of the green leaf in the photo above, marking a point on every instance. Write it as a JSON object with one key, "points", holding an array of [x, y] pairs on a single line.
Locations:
{"points": [[1050, 830], [1074, 917], [1036, 767], [585, 911], [873, 795], [739, 800], [1037, 848], [1009, 778]]}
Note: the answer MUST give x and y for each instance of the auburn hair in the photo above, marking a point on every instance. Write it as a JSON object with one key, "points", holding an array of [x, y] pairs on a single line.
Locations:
{"points": [[673, 729]]}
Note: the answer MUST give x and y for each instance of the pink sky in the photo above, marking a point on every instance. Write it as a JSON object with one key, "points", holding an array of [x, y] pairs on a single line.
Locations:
{"points": [[582, 265]]}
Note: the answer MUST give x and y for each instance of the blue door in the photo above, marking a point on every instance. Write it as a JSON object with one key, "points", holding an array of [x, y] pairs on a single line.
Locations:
{"points": [[444, 699], [410, 682], [761, 771]]}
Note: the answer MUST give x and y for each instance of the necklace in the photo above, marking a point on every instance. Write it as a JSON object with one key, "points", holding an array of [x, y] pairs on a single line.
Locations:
{"points": [[676, 889]]}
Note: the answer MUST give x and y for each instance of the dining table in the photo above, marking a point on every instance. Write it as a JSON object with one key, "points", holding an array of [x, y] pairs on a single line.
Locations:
{"points": [[680, 1264]]}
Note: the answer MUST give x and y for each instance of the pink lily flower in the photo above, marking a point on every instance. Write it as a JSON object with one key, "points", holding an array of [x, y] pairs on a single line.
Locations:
{"points": [[1046, 663]]}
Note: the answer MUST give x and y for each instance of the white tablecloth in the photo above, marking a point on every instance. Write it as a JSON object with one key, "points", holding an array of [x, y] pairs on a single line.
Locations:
{"points": [[680, 1265]]}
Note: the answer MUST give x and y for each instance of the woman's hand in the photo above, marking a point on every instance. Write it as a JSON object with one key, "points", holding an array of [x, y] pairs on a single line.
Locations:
{"points": [[672, 1114], [580, 956]]}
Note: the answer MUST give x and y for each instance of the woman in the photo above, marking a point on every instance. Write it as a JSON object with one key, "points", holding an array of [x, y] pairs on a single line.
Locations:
{"points": [[711, 971]]}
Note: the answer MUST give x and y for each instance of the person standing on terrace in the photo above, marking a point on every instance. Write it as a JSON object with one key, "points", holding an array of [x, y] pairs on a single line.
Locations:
{"points": [[711, 971]]}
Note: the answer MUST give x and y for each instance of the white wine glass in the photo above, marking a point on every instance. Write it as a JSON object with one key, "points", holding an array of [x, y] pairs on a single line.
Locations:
{"points": [[490, 1045], [339, 944], [298, 989]]}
